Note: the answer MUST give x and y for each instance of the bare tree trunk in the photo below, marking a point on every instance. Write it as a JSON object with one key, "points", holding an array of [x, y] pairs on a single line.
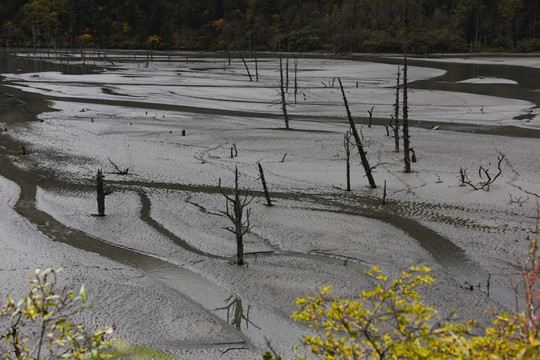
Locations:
{"points": [[287, 69], [347, 145], [281, 85], [363, 156], [256, 62], [266, 193], [406, 142], [228, 46], [395, 126], [384, 193], [100, 193], [245, 64], [295, 77]]}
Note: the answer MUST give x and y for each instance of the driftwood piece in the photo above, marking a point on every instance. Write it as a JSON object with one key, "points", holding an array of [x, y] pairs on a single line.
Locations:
{"points": [[118, 171]]}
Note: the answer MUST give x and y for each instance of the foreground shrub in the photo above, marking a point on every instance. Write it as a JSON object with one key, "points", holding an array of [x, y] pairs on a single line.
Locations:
{"points": [[392, 322], [40, 326]]}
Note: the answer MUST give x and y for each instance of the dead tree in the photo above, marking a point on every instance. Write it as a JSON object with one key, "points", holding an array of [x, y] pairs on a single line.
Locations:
{"points": [[101, 193], [265, 188], [485, 178], [282, 89], [240, 227], [256, 62], [347, 145], [295, 77], [395, 117], [370, 112], [287, 70], [247, 68], [363, 156], [406, 140]]}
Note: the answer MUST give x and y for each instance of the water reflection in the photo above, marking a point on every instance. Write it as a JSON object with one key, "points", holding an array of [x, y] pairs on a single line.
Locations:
{"points": [[235, 313]]}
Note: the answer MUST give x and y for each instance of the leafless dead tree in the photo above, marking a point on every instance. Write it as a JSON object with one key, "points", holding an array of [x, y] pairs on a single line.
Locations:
{"points": [[363, 156], [265, 188], [370, 112], [347, 146], [485, 178], [406, 139], [245, 64], [295, 77], [282, 90], [256, 61], [240, 227], [395, 118]]}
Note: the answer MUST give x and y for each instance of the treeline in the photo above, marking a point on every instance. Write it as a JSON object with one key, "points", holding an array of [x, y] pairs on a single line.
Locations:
{"points": [[341, 26]]}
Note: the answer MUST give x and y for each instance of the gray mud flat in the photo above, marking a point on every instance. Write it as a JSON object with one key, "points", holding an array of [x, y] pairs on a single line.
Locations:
{"points": [[192, 260]]}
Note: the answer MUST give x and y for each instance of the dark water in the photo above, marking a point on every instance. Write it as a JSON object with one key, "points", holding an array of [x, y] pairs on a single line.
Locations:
{"points": [[527, 78]]}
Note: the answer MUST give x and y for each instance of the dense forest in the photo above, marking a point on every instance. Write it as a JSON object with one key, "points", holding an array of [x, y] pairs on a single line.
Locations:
{"points": [[341, 26]]}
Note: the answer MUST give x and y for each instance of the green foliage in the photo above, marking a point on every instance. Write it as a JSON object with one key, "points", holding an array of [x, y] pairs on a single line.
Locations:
{"points": [[41, 324]]}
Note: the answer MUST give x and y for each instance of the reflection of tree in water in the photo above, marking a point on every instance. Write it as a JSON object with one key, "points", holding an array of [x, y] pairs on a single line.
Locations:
{"points": [[235, 312]]}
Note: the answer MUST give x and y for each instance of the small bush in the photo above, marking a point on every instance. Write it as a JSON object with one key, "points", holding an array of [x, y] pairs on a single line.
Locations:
{"points": [[41, 324], [391, 322]]}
